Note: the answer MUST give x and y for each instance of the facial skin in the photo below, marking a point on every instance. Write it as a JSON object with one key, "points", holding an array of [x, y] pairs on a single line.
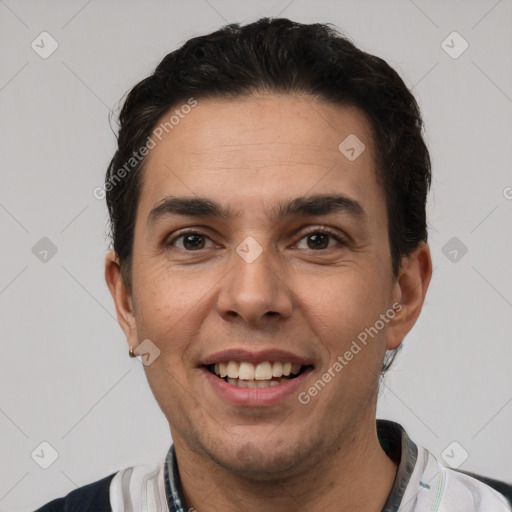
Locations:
{"points": [[311, 300]]}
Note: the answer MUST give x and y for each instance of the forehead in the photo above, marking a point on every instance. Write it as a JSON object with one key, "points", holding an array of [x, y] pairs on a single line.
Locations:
{"points": [[255, 151]]}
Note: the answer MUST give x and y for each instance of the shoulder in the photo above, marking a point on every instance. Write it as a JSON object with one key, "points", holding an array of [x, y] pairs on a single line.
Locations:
{"points": [[424, 482], [479, 487], [133, 488], [94, 496], [434, 486]]}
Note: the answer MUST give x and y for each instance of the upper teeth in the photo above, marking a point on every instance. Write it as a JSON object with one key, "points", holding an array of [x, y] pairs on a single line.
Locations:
{"points": [[261, 371]]}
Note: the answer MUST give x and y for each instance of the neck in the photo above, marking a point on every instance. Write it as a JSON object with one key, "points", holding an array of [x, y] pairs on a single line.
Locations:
{"points": [[354, 475]]}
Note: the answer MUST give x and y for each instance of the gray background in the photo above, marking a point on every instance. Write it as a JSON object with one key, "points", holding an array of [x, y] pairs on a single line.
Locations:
{"points": [[66, 377]]}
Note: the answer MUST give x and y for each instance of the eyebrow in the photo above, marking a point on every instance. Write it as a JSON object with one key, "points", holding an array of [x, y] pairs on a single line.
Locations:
{"points": [[322, 204]]}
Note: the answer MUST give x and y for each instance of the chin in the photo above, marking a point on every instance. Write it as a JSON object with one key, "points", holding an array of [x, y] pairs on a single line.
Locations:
{"points": [[262, 457], [256, 463]]}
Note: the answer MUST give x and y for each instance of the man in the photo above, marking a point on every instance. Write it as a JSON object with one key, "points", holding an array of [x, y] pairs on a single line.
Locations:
{"points": [[267, 203]]}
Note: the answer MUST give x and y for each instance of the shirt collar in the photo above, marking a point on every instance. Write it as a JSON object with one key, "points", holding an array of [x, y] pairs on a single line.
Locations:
{"points": [[402, 451], [392, 437], [172, 482]]}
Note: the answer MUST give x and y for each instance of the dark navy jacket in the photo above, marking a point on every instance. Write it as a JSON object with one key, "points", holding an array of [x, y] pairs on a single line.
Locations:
{"points": [[92, 497]]}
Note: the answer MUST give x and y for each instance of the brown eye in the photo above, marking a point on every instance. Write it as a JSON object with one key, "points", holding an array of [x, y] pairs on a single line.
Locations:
{"points": [[190, 241], [193, 241], [321, 239]]}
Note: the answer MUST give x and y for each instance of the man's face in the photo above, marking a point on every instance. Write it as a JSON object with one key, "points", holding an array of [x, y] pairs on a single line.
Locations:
{"points": [[265, 284]]}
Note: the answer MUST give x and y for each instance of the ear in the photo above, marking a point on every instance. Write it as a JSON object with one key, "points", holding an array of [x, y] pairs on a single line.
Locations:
{"points": [[122, 298], [409, 290]]}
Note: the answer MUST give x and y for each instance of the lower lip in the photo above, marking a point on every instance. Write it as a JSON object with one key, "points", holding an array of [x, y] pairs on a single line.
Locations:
{"points": [[255, 397]]}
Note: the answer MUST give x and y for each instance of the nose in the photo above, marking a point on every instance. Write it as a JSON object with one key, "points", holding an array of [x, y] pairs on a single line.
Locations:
{"points": [[255, 291]]}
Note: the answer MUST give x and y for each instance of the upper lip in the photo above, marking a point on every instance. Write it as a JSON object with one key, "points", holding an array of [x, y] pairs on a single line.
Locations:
{"points": [[255, 357]]}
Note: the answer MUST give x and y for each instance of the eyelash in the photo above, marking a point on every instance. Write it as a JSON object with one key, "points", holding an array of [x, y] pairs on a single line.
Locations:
{"points": [[321, 230]]}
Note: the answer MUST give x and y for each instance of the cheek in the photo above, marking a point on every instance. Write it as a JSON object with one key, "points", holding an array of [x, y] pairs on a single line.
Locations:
{"points": [[166, 294], [342, 308], [170, 309]]}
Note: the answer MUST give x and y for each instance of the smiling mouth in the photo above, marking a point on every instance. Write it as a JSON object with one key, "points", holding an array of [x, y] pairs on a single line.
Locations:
{"points": [[262, 375]]}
